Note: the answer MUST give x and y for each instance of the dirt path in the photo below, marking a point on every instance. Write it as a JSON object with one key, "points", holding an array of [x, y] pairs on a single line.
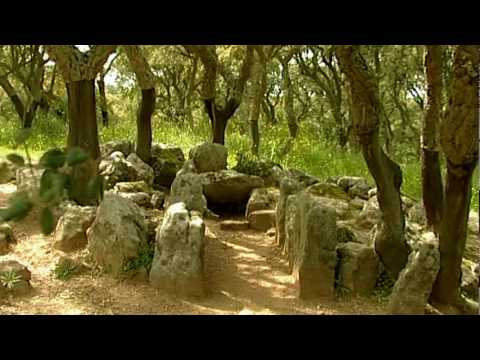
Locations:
{"points": [[245, 273]]}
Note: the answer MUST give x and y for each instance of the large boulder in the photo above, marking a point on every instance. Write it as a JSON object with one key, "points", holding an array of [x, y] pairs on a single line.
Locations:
{"points": [[117, 169], [288, 187], [261, 220], [15, 278], [28, 180], [414, 285], [328, 190], [71, 231], [229, 186], [7, 171], [209, 157], [124, 146], [311, 245], [354, 186], [144, 171], [118, 233], [141, 199], [302, 177], [270, 172], [370, 214], [417, 214], [470, 279], [166, 161], [177, 266], [132, 187], [262, 199], [358, 268], [188, 188]]}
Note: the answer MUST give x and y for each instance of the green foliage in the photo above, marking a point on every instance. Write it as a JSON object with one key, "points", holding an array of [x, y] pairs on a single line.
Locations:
{"points": [[47, 221], [53, 159], [76, 156], [9, 279], [144, 259], [16, 159], [384, 286], [249, 164], [64, 270], [19, 207]]}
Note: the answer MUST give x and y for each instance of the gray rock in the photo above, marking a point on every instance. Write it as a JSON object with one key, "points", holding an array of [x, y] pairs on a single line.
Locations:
{"points": [[234, 225], [417, 214], [354, 186], [144, 171], [209, 157], [470, 274], [123, 146], [288, 187], [262, 199], [261, 220], [153, 219], [345, 234], [229, 186], [117, 234], [311, 245], [358, 268], [132, 187], [166, 161], [177, 266], [117, 169], [359, 190], [188, 188], [370, 214], [7, 171], [14, 278], [328, 190], [372, 192], [302, 177], [414, 285], [158, 199], [141, 199], [28, 180], [71, 231]]}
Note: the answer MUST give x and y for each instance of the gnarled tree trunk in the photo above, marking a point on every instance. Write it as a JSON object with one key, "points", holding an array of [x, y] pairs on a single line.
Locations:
{"points": [[390, 243], [103, 101], [431, 175], [459, 140], [259, 78]]}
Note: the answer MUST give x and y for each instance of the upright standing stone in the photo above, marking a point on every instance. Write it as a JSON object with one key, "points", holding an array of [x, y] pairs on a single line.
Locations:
{"points": [[177, 266], [209, 157], [287, 187]]}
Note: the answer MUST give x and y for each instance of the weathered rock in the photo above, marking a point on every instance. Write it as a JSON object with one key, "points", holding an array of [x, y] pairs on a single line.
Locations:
{"points": [[271, 232], [470, 279], [116, 169], [354, 186], [414, 285], [370, 214], [209, 157], [311, 245], [117, 234], [71, 231], [158, 199], [261, 220], [132, 187], [372, 192], [288, 187], [358, 268], [417, 214], [234, 225], [7, 171], [270, 172], [123, 146], [167, 160], [144, 171], [229, 186], [153, 219], [28, 180], [303, 178], [14, 278], [7, 238], [345, 234], [359, 190], [357, 203], [188, 188], [328, 190], [177, 266], [262, 199], [341, 207], [140, 198], [473, 222]]}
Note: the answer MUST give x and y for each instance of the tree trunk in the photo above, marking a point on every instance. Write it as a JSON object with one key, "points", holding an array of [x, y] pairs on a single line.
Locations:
{"points": [[259, 89], [431, 175], [219, 118], [82, 132], [30, 114], [288, 102], [390, 243], [103, 101], [144, 125], [459, 140]]}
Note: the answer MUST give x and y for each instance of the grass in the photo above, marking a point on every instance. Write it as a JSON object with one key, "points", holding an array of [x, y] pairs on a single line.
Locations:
{"points": [[308, 152]]}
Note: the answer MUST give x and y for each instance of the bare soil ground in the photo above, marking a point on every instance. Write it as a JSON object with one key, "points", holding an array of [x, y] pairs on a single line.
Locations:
{"points": [[245, 273]]}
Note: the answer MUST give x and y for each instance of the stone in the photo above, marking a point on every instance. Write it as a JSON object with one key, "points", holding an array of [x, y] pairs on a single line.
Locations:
{"points": [[71, 231], [153, 219], [234, 225], [139, 198], [132, 187], [262, 199], [358, 268], [7, 238], [370, 214], [473, 222], [357, 203], [19, 283], [209, 157], [166, 161], [328, 190], [345, 234], [76, 267], [469, 285], [270, 172], [302, 177], [124, 146], [354, 186], [7, 171], [229, 186], [118, 233], [158, 199], [271, 232], [341, 207], [288, 187], [144, 171], [261, 220], [311, 240], [417, 214], [178, 264], [28, 180], [188, 188], [117, 169], [372, 192], [412, 289]]}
